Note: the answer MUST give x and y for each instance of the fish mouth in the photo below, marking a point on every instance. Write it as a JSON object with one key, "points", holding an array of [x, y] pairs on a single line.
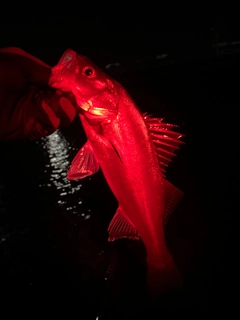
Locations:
{"points": [[86, 106], [92, 111], [98, 113]]}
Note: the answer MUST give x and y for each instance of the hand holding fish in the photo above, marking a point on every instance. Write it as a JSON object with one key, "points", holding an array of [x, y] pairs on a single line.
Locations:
{"points": [[133, 151], [29, 107]]}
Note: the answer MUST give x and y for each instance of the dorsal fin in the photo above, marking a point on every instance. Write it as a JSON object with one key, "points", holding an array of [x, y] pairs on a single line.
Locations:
{"points": [[121, 227], [165, 140]]}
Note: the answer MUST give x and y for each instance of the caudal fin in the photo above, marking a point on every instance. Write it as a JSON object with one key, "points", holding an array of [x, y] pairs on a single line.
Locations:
{"points": [[163, 278]]}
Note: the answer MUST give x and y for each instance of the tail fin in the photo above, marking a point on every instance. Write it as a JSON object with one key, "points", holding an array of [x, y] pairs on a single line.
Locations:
{"points": [[163, 278]]}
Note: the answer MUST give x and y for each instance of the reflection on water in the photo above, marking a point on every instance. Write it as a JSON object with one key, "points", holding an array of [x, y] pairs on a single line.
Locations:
{"points": [[60, 153], [61, 228], [52, 239]]}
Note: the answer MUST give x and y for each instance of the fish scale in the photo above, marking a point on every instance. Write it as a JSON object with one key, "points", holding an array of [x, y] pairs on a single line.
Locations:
{"points": [[133, 151]]}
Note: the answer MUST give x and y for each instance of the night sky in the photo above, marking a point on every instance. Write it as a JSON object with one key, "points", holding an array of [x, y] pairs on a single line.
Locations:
{"points": [[118, 33]]}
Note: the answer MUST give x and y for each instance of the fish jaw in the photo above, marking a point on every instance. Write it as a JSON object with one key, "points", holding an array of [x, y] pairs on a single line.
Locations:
{"points": [[63, 74], [93, 110]]}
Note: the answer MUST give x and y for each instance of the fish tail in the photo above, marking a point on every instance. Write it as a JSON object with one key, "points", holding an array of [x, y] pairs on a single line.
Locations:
{"points": [[163, 278]]}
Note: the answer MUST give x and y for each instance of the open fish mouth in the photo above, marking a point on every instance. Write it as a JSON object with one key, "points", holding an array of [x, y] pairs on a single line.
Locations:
{"points": [[86, 106], [96, 112]]}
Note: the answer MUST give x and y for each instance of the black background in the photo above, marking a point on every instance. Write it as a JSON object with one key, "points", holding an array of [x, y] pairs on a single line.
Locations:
{"points": [[198, 91]]}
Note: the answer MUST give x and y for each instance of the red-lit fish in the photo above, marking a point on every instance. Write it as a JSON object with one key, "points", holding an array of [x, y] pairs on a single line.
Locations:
{"points": [[133, 151]]}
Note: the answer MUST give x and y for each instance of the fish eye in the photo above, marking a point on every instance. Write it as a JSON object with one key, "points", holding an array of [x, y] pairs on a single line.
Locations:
{"points": [[89, 72]]}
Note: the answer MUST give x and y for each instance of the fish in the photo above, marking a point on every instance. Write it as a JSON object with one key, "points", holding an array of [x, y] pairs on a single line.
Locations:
{"points": [[133, 150]]}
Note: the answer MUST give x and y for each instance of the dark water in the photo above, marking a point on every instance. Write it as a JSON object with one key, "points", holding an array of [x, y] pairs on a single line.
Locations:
{"points": [[53, 239]]}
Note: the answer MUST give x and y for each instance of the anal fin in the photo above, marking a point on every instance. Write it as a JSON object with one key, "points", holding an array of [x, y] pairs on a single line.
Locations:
{"points": [[121, 227], [172, 197]]}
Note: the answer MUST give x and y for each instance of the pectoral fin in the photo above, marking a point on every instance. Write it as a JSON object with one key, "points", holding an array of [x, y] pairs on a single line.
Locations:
{"points": [[121, 227], [84, 164], [172, 197]]}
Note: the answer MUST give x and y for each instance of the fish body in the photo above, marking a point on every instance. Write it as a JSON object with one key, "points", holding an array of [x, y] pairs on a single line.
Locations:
{"points": [[133, 151]]}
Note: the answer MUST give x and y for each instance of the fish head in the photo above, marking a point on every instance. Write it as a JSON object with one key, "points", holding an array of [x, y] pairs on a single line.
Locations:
{"points": [[96, 93]]}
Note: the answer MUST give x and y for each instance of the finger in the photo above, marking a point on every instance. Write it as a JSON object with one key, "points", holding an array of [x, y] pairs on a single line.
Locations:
{"points": [[64, 106], [68, 108], [48, 116]]}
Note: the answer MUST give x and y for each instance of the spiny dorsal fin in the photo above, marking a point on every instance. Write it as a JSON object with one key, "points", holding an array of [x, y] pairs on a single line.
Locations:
{"points": [[165, 140], [120, 227], [84, 164], [172, 197]]}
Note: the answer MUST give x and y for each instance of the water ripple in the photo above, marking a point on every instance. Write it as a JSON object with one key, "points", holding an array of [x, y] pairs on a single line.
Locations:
{"points": [[60, 154]]}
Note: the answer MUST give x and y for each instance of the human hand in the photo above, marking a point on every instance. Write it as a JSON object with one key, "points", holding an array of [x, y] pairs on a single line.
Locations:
{"points": [[29, 107]]}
